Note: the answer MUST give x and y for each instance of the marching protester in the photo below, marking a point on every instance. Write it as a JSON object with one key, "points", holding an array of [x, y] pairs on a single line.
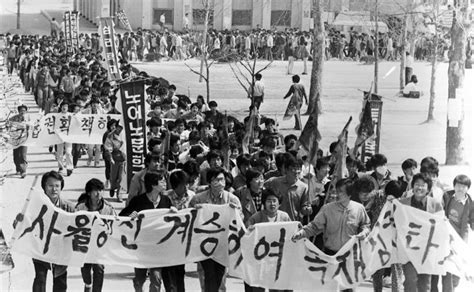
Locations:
{"points": [[197, 154], [52, 184], [214, 272], [152, 198], [20, 121], [421, 185], [297, 93], [93, 200]]}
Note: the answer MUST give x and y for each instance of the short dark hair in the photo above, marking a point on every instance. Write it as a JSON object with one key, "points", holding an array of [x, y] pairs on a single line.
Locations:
{"points": [[394, 188], [364, 184], [258, 76], [321, 162], [291, 161], [51, 174], [177, 178], [424, 177], [110, 123], [212, 103], [429, 165], [152, 179], [250, 175], [289, 137], [213, 154], [94, 185], [153, 142], [463, 180], [212, 173], [269, 193], [295, 78], [153, 122], [409, 163], [376, 161], [243, 160]]}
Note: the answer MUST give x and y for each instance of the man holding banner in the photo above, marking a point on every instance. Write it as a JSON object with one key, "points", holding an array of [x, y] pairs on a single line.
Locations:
{"points": [[52, 183], [338, 221]]}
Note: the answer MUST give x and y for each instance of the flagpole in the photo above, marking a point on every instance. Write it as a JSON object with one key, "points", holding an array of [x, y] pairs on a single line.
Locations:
{"points": [[22, 213]]}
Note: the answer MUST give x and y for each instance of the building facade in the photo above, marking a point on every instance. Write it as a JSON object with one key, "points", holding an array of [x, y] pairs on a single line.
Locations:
{"points": [[224, 14]]}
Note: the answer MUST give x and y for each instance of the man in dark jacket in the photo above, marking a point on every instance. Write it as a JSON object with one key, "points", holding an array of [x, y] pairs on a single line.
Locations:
{"points": [[459, 209]]}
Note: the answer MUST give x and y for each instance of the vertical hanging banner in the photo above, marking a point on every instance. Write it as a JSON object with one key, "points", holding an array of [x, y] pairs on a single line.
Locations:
{"points": [[372, 144], [133, 109], [107, 32], [71, 29], [123, 19]]}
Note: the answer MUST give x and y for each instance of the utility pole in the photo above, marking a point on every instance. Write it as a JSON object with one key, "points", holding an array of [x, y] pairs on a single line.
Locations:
{"points": [[17, 14], [376, 47], [457, 57]]}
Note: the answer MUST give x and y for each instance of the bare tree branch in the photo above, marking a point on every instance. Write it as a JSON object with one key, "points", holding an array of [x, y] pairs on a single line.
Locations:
{"points": [[196, 72], [264, 68], [238, 78]]}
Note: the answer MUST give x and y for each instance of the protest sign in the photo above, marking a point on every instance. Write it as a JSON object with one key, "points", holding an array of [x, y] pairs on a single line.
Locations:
{"points": [[56, 128], [264, 257], [122, 17], [71, 29], [371, 145], [132, 105], [107, 33]]}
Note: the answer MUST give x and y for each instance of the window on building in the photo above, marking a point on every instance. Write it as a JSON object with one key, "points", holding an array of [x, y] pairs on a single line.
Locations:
{"points": [[241, 17], [168, 16], [199, 15], [281, 18]]}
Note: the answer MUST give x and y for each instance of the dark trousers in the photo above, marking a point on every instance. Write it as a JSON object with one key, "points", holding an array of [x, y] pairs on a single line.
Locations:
{"points": [[19, 158], [415, 281], [449, 282], [257, 100], [97, 277], [213, 274], [173, 278], [140, 278], [107, 166], [76, 154], [41, 273], [11, 65], [408, 74]]}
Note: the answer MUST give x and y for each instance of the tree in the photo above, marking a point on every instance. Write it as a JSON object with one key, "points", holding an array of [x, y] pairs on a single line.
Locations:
{"points": [[204, 52], [434, 62], [457, 58], [315, 89], [247, 83]]}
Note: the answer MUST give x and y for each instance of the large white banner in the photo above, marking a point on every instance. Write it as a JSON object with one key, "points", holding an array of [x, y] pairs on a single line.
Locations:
{"points": [[56, 128], [264, 257]]}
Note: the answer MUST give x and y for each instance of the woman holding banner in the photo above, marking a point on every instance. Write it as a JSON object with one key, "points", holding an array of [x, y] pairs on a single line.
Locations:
{"points": [[92, 200], [421, 185]]}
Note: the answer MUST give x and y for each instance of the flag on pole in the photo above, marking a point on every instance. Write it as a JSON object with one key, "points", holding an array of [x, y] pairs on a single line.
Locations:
{"points": [[122, 17], [365, 129], [340, 171], [310, 138]]}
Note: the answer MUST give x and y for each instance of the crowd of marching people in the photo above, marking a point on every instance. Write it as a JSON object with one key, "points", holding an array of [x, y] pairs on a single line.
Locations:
{"points": [[199, 155]]}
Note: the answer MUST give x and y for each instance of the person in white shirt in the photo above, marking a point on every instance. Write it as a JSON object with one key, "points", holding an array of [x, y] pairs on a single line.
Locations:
{"points": [[186, 21], [411, 88], [162, 21], [258, 91], [269, 47]]}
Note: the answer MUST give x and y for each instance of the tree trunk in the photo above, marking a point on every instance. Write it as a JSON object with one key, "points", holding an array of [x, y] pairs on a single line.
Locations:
{"points": [[208, 88], [315, 90], [403, 52], [204, 40], [457, 57], [434, 65], [18, 14], [376, 49]]}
